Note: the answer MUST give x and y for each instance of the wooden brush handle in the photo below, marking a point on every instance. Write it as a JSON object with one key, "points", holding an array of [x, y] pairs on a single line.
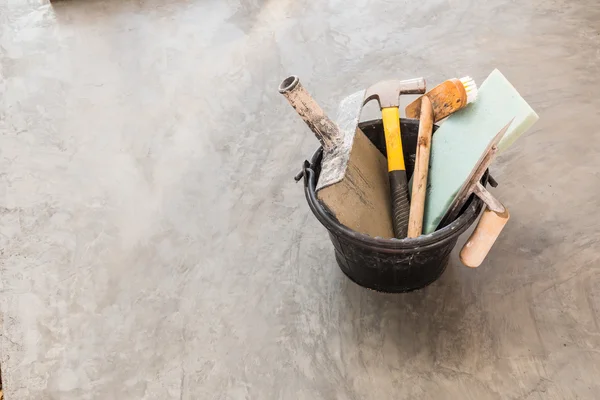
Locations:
{"points": [[419, 187], [446, 98], [483, 237], [324, 128]]}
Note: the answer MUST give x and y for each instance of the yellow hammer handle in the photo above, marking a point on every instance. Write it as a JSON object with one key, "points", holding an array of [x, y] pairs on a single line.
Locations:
{"points": [[393, 141]]}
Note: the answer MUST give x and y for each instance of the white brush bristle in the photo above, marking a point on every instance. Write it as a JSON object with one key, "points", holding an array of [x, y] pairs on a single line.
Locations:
{"points": [[470, 87]]}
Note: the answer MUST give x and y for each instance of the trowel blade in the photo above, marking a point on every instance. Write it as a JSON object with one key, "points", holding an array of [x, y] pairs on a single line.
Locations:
{"points": [[333, 166]]}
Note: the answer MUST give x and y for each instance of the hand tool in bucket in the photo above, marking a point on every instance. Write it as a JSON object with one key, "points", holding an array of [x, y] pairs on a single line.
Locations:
{"points": [[460, 142], [446, 98], [387, 94], [490, 225], [353, 182], [494, 217], [441, 101]]}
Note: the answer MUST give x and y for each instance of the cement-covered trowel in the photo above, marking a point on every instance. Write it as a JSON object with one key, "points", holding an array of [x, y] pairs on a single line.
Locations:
{"points": [[353, 183], [494, 217]]}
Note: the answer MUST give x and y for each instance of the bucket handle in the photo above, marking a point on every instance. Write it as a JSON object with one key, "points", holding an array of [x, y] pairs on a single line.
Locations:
{"points": [[306, 164]]}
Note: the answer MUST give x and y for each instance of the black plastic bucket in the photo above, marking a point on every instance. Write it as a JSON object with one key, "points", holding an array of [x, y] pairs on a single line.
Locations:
{"points": [[389, 265]]}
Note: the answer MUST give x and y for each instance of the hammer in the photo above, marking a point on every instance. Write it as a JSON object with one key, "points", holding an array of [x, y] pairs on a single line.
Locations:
{"points": [[387, 94]]}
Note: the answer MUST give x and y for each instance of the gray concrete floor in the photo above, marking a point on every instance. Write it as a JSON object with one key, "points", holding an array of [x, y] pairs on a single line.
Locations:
{"points": [[154, 245]]}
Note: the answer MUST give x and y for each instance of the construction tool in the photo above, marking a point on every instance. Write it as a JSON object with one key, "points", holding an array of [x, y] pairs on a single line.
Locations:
{"points": [[353, 182], [490, 225], [444, 99], [494, 217], [387, 94], [462, 139], [419, 179], [470, 184]]}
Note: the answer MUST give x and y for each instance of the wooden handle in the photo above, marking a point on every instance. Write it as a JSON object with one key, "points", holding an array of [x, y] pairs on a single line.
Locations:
{"points": [[419, 188], [324, 128], [483, 237], [446, 98]]}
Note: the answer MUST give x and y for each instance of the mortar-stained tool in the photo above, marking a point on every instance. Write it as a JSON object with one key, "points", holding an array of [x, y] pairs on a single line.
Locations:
{"points": [[458, 144], [446, 98], [387, 94], [494, 217], [353, 182]]}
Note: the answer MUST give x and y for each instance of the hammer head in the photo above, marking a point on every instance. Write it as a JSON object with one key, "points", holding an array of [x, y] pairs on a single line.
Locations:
{"points": [[388, 92], [334, 164]]}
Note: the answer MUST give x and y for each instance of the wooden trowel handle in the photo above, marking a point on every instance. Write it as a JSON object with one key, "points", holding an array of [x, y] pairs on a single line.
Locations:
{"points": [[325, 129], [483, 237]]}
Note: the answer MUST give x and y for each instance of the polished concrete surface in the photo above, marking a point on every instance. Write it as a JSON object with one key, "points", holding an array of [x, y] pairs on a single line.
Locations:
{"points": [[155, 246]]}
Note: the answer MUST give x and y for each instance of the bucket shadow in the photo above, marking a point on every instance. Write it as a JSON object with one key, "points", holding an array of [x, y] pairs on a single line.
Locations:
{"points": [[441, 322]]}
